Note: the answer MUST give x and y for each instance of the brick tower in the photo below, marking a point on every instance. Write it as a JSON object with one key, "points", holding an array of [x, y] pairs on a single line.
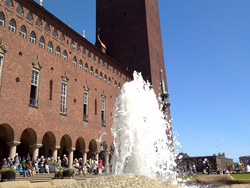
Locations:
{"points": [[130, 30]]}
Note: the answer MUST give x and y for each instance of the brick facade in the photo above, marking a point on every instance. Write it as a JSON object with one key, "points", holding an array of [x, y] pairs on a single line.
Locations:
{"points": [[41, 127]]}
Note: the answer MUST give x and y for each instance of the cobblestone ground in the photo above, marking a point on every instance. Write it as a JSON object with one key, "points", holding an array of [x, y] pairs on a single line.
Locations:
{"points": [[119, 181]]}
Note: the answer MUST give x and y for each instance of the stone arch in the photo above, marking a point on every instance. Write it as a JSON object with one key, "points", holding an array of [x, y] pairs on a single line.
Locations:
{"points": [[48, 142], [80, 148], [6, 136], [28, 139], [92, 149], [65, 145]]}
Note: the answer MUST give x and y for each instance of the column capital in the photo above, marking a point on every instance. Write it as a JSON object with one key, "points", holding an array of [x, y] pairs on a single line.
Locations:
{"points": [[13, 143], [55, 147], [36, 146], [86, 150], [71, 149]]}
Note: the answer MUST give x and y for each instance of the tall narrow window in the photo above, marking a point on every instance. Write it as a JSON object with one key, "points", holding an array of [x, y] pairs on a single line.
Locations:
{"points": [[62, 38], [33, 37], [85, 106], [57, 53], [1, 19], [105, 78], [41, 42], [96, 73], [103, 112], [63, 98], [95, 107], [91, 70], [78, 47], [86, 68], [74, 61], [1, 68], [80, 64], [23, 32], [50, 47], [50, 89], [65, 57], [100, 76], [47, 28], [109, 81], [34, 87], [12, 26]]}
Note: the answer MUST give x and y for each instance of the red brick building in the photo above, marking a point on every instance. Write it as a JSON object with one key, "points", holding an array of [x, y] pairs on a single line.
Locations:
{"points": [[56, 88]]}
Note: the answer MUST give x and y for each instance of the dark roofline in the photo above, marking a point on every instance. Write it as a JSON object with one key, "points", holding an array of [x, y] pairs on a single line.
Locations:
{"points": [[69, 31]]}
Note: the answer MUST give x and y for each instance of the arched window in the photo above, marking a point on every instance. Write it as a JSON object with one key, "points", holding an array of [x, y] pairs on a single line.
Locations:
{"points": [[119, 86], [96, 73], [29, 16], [54, 33], [117, 73], [98, 61], [62, 38], [50, 47], [1, 19], [103, 64], [33, 37], [86, 67], [41, 42], [39, 22], [47, 28], [65, 57], [74, 61], [105, 78], [9, 3], [23, 31], [107, 67], [72, 43], [19, 9], [100, 76], [91, 70], [12, 25], [58, 52], [109, 81], [83, 51], [80, 64], [94, 58], [78, 47], [115, 84]]}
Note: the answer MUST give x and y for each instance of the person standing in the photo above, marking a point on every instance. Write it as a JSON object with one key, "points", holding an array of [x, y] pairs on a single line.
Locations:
{"points": [[242, 167], [208, 167]]}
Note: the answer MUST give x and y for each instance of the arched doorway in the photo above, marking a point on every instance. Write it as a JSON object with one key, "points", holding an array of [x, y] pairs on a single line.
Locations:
{"points": [[65, 145], [80, 148], [28, 138], [92, 149], [49, 141], [6, 135]]}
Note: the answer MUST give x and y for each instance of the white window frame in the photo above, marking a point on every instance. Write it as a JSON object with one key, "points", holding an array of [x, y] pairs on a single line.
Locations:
{"points": [[32, 40], [22, 34], [11, 27], [65, 57], [1, 68], [85, 102], [80, 65], [74, 61], [2, 21], [57, 53], [35, 82], [63, 99], [50, 48], [41, 45]]}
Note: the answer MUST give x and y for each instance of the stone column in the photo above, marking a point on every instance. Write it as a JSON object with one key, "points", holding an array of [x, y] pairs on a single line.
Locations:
{"points": [[107, 162], [70, 154], [54, 151], [35, 148], [13, 145], [85, 156]]}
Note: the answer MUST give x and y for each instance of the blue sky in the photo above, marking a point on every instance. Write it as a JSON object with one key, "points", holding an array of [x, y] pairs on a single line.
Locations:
{"points": [[206, 47]]}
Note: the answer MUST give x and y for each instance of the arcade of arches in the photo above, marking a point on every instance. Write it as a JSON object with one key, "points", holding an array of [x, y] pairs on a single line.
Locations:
{"points": [[28, 145]]}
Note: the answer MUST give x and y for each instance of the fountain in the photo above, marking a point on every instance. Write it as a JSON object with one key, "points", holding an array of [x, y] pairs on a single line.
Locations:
{"points": [[140, 133]]}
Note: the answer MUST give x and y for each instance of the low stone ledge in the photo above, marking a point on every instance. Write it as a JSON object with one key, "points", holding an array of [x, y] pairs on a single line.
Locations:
{"points": [[16, 184]]}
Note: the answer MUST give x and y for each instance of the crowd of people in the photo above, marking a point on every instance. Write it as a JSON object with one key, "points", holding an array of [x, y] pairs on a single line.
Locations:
{"points": [[28, 167]]}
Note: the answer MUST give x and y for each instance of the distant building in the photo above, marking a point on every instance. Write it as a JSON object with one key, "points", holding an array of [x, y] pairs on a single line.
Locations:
{"points": [[245, 160], [216, 161]]}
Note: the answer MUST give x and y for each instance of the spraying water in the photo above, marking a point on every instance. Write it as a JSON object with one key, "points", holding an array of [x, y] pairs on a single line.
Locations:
{"points": [[140, 133]]}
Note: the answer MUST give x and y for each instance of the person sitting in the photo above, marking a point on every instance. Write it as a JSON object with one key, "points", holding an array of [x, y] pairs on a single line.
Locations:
{"points": [[31, 169], [21, 171]]}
